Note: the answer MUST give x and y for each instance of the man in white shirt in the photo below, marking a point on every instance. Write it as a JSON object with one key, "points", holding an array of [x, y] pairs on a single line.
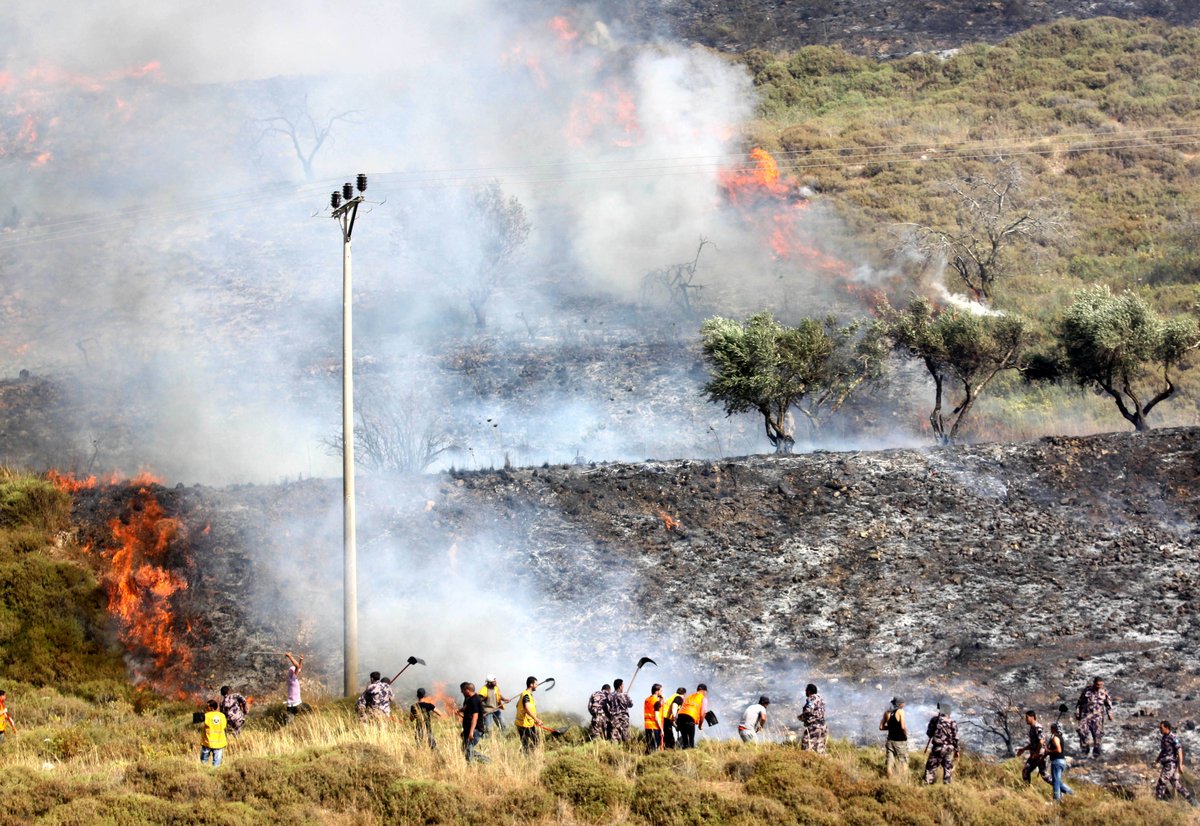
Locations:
{"points": [[754, 720]]}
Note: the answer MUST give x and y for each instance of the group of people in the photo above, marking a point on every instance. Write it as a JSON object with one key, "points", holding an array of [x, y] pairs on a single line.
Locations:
{"points": [[672, 721]]}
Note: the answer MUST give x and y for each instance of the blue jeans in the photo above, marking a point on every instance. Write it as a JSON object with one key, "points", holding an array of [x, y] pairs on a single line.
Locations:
{"points": [[470, 746], [1057, 767], [205, 751]]}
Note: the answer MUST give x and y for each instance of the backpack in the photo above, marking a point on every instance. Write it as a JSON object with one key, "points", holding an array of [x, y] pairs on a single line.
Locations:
{"points": [[931, 729]]}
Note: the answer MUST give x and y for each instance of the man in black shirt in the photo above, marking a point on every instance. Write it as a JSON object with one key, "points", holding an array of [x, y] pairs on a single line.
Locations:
{"points": [[422, 713], [472, 716]]}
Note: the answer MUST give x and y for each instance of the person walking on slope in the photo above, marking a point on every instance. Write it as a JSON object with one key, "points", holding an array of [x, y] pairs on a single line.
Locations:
{"points": [[1036, 761], [691, 716], [6, 720], [234, 707], [1093, 706], [493, 705], [942, 745], [213, 742], [1170, 757], [293, 684], [528, 723], [754, 720], [670, 712], [598, 708], [472, 723], [422, 713], [896, 726], [652, 716], [813, 718], [1056, 753], [618, 712]]}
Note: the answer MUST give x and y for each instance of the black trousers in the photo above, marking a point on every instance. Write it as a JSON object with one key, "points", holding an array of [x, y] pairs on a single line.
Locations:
{"points": [[668, 734], [687, 731], [653, 740]]}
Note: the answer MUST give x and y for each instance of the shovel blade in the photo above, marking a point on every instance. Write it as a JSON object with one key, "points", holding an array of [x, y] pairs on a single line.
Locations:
{"points": [[644, 661], [415, 661], [546, 684]]}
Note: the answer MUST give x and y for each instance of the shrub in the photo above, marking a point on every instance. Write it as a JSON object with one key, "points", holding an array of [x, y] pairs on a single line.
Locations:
{"points": [[25, 500], [800, 779], [177, 778], [423, 801], [526, 804], [586, 786], [662, 800]]}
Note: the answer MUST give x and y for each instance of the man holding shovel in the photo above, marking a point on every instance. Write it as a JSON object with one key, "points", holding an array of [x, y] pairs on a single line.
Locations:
{"points": [[527, 721], [618, 712]]}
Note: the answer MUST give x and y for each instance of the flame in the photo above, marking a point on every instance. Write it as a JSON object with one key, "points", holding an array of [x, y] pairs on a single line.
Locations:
{"points": [[439, 696], [605, 115], [669, 522], [69, 483], [563, 29], [141, 589]]}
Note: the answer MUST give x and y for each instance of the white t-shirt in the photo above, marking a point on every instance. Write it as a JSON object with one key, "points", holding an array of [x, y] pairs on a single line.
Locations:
{"points": [[750, 718]]}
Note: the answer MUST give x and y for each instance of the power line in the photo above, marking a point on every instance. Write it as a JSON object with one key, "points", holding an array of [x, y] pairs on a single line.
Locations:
{"points": [[606, 170]]}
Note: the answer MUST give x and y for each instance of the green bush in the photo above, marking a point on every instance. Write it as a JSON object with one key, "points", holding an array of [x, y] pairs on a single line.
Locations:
{"points": [[661, 798], [525, 805], [28, 501], [592, 791], [423, 801], [177, 779]]}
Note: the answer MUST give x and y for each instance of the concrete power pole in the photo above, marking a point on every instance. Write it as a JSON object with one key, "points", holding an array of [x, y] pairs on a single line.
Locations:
{"points": [[345, 214]]}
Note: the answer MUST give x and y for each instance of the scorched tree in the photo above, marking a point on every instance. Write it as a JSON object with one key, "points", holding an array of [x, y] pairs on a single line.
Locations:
{"points": [[766, 367]]}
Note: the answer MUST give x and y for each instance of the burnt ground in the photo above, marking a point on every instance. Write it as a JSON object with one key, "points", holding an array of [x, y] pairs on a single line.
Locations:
{"points": [[1021, 568], [872, 27]]}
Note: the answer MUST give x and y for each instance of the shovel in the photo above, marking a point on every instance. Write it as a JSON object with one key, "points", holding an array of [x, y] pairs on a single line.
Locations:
{"points": [[555, 733], [411, 661], [643, 661], [1062, 709], [546, 684]]}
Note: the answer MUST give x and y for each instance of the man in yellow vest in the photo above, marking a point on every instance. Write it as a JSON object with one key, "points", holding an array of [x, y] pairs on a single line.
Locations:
{"points": [[493, 705], [6, 720], [214, 735], [691, 716], [670, 711], [527, 721], [652, 711]]}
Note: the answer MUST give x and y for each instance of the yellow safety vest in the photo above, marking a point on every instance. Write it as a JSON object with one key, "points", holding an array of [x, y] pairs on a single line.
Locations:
{"points": [[669, 711], [214, 730], [526, 710], [3, 718]]}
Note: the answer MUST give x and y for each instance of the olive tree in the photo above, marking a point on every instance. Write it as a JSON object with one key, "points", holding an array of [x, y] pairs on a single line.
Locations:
{"points": [[766, 367], [1119, 345], [963, 351]]}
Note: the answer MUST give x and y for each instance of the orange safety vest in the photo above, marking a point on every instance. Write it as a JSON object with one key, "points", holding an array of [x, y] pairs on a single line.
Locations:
{"points": [[692, 706], [652, 716]]}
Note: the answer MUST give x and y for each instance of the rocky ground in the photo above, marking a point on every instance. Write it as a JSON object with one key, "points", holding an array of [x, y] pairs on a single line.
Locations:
{"points": [[1012, 569]]}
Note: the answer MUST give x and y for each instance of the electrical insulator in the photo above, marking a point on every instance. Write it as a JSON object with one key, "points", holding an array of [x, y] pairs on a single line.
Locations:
{"points": [[335, 200], [347, 190], [362, 183]]}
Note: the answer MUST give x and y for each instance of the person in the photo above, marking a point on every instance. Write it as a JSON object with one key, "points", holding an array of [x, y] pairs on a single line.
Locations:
{"points": [[234, 707], [528, 724], [598, 708], [376, 700], [652, 715], [1036, 761], [422, 713], [493, 704], [813, 718], [895, 724], [472, 722], [1093, 706], [293, 684], [213, 742], [6, 720], [1170, 757], [1056, 753], [754, 720], [670, 712], [618, 712], [942, 745], [691, 716]]}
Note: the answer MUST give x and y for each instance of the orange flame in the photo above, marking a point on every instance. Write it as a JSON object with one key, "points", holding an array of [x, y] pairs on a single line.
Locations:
{"points": [[69, 483], [606, 115], [669, 522], [563, 29], [440, 697], [141, 588]]}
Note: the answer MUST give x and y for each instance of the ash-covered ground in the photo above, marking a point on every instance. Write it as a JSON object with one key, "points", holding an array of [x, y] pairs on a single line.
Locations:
{"points": [[1023, 569]]}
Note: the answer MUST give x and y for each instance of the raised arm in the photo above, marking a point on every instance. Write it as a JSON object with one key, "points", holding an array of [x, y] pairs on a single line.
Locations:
{"points": [[297, 664]]}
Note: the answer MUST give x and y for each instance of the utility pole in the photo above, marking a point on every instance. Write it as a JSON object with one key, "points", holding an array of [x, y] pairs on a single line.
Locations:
{"points": [[345, 214]]}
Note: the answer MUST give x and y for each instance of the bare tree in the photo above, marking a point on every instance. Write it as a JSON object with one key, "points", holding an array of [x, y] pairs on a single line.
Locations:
{"points": [[678, 281], [502, 229], [307, 133], [991, 217], [1002, 720], [395, 431]]}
